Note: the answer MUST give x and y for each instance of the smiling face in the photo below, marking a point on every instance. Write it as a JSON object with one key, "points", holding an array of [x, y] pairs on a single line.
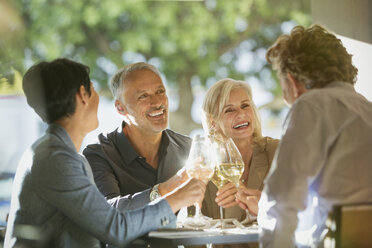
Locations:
{"points": [[146, 102], [237, 118]]}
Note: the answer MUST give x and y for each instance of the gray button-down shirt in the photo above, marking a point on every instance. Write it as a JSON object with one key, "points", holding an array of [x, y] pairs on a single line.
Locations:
{"points": [[54, 192], [323, 159], [119, 170]]}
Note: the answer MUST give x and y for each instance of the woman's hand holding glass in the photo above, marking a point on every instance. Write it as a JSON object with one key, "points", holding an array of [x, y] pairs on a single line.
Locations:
{"points": [[225, 196]]}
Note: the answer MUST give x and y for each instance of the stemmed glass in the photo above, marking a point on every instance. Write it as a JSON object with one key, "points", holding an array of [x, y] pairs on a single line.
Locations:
{"points": [[219, 180], [230, 166], [200, 164]]}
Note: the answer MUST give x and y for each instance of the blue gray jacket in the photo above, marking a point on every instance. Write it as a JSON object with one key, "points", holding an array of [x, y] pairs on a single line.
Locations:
{"points": [[54, 192]]}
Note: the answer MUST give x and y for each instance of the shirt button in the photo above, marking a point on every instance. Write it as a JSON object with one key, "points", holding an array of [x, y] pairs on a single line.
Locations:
{"points": [[164, 221]]}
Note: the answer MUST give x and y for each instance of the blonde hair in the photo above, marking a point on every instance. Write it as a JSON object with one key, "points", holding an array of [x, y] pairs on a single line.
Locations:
{"points": [[217, 97], [314, 56]]}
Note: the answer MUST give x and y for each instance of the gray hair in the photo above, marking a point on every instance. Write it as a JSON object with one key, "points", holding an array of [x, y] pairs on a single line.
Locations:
{"points": [[117, 81]]}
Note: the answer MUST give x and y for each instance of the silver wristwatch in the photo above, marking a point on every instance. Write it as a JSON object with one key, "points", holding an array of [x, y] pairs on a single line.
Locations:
{"points": [[155, 194]]}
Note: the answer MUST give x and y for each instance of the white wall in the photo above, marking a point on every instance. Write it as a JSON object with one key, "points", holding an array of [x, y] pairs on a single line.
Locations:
{"points": [[362, 59]]}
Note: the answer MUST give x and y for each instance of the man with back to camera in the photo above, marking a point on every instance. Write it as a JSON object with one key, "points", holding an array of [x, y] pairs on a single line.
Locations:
{"points": [[141, 153], [54, 191], [324, 157]]}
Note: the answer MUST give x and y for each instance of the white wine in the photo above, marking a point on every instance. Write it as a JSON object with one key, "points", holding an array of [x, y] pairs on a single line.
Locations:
{"points": [[231, 171], [218, 179]]}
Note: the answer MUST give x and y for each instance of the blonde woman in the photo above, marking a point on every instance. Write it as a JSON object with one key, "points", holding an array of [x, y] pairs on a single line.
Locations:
{"points": [[229, 110]]}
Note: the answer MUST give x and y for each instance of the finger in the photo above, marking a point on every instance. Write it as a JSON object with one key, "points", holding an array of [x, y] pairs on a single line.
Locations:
{"points": [[225, 188], [227, 200], [242, 205], [202, 184], [252, 204], [246, 190], [203, 188], [247, 199], [241, 197], [228, 205], [231, 203], [249, 191], [199, 186], [226, 194], [251, 200], [240, 194]]}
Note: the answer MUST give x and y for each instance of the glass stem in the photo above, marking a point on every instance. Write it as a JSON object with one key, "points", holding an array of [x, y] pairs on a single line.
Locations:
{"points": [[221, 217], [197, 210]]}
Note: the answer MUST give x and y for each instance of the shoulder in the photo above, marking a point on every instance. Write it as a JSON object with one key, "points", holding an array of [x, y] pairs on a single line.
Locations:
{"points": [[104, 139], [269, 146], [181, 140], [267, 143], [319, 98], [53, 157], [271, 143]]}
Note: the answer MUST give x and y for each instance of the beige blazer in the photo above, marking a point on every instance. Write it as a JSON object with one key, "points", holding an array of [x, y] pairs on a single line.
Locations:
{"points": [[260, 165]]}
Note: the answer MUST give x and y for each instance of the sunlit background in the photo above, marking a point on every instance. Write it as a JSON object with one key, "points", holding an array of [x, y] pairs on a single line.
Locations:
{"points": [[193, 43]]}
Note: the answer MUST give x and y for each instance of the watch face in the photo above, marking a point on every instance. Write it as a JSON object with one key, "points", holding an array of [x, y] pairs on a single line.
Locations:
{"points": [[154, 194]]}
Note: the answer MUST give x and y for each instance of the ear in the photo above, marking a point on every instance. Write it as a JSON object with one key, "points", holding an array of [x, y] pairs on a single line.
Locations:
{"points": [[214, 125], [120, 107], [82, 95], [298, 88]]}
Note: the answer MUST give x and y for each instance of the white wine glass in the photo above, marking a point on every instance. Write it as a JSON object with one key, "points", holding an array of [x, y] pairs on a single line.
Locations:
{"points": [[219, 180], [231, 165], [200, 164]]}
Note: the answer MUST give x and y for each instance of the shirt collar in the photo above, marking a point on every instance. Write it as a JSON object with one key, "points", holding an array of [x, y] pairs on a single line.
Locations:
{"points": [[340, 84], [335, 84], [128, 153]]}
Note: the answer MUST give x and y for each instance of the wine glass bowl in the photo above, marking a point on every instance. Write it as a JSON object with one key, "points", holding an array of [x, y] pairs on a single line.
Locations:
{"points": [[200, 171], [218, 179], [231, 171], [231, 164]]}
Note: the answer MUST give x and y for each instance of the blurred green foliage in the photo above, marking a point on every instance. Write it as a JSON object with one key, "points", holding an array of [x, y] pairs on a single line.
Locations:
{"points": [[185, 39]]}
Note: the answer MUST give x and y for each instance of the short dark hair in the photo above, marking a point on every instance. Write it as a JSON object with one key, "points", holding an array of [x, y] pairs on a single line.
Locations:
{"points": [[51, 87]]}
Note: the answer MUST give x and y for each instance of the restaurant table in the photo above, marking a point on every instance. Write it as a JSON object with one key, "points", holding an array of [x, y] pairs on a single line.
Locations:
{"points": [[187, 237]]}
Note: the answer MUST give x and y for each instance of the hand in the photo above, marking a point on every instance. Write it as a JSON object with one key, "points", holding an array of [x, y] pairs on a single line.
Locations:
{"points": [[192, 191], [248, 199], [225, 196], [173, 182]]}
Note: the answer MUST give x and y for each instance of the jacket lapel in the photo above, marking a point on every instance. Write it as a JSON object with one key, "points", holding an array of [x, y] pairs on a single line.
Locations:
{"points": [[259, 168]]}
